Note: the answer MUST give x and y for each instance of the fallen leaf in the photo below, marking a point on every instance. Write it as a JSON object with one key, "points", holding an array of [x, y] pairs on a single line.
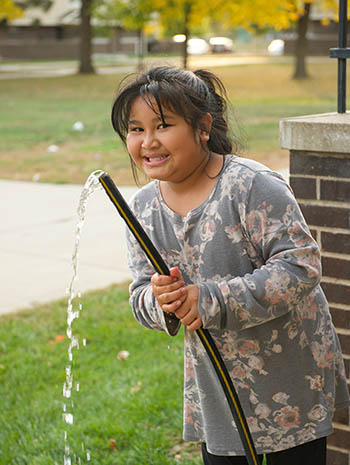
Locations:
{"points": [[57, 339], [112, 444], [123, 355], [137, 388], [176, 449], [78, 126], [52, 148]]}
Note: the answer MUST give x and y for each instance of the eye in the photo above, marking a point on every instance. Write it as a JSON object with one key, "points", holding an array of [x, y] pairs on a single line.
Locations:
{"points": [[135, 129], [163, 126]]}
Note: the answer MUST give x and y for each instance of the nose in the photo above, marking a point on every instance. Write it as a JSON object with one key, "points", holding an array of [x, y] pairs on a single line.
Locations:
{"points": [[149, 140]]}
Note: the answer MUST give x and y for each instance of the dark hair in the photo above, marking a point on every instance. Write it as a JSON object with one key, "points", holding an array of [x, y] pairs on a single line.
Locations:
{"points": [[189, 94]]}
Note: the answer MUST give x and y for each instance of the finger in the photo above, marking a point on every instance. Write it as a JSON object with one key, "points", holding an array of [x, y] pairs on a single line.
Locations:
{"points": [[169, 297], [188, 318], [162, 279], [166, 294], [196, 324], [172, 307], [161, 286], [182, 311], [175, 272], [169, 288]]}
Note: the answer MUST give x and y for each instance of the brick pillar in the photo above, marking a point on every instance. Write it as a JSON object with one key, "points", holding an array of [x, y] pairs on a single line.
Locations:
{"points": [[319, 148]]}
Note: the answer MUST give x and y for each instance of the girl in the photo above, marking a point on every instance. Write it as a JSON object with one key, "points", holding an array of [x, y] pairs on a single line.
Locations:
{"points": [[244, 266]]}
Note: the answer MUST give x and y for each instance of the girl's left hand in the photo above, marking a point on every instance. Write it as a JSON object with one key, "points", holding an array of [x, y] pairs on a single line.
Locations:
{"points": [[188, 313], [170, 291]]}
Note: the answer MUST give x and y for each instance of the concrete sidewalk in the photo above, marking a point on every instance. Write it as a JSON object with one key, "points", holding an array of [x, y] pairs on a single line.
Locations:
{"points": [[37, 236]]}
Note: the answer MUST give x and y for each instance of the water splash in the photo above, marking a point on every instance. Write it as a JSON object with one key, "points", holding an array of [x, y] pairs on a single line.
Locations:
{"points": [[74, 308]]}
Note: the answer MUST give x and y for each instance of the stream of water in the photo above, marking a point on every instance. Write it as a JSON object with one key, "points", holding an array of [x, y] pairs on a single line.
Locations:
{"points": [[74, 308]]}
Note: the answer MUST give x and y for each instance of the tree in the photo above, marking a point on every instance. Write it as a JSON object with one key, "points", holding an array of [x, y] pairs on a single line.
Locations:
{"points": [[86, 66], [130, 14], [9, 11], [185, 15], [300, 71], [280, 15], [85, 28]]}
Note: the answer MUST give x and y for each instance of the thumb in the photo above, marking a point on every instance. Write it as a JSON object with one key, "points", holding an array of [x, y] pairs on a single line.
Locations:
{"points": [[175, 272]]}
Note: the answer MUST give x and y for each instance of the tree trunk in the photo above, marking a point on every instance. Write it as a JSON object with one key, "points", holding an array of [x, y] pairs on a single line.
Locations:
{"points": [[300, 71], [140, 49], [85, 38], [187, 11]]}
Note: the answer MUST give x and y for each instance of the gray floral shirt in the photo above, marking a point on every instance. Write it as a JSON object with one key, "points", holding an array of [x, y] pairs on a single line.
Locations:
{"points": [[258, 270]]}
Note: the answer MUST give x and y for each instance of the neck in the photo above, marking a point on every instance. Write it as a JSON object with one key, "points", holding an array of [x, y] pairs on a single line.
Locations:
{"points": [[189, 193], [208, 169]]}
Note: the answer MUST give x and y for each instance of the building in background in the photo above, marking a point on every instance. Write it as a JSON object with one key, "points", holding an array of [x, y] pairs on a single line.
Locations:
{"points": [[55, 33]]}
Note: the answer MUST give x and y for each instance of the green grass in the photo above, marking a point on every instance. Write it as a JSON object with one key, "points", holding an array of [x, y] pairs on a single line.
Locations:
{"points": [[146, 425], [37, 113]]}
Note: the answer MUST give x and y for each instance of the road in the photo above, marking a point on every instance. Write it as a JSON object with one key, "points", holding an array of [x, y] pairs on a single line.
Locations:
{"points": [[126, 65]]}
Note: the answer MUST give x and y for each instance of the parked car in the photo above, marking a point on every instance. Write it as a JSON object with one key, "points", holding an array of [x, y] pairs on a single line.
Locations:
{"points": [[221, 44], [197, 46], [276, 47]]}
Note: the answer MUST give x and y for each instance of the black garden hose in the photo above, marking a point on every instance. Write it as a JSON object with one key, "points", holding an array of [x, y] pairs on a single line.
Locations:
{"points": [[172, 321]]}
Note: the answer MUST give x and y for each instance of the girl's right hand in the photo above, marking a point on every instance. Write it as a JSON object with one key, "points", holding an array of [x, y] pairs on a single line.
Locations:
{"points": [[170, 291]]}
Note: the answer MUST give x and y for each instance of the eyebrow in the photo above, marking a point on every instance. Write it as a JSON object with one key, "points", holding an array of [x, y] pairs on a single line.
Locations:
{"points": [[158, 118]]}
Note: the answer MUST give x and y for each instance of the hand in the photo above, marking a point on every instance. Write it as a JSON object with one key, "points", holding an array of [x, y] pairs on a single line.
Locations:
{"points": [[169, 291], [188, 311]]}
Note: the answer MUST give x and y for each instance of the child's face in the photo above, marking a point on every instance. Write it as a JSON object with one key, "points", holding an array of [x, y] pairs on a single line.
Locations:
{"points": [[169, 152]]}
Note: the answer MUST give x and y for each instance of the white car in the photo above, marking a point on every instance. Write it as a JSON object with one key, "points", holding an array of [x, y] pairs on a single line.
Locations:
{"points": [[221, 44], [197, 46], [276, 47]]}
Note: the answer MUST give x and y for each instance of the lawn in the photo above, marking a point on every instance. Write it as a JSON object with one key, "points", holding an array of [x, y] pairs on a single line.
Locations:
{"points": [[125, 411], [39, 113]]}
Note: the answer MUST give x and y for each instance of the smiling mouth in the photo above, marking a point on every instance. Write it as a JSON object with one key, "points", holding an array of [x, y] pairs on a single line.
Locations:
{"points": [[155, 159]]}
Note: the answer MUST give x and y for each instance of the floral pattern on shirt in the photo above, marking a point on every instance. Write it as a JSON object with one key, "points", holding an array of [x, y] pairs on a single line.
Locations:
{"points": [[258, 269]]}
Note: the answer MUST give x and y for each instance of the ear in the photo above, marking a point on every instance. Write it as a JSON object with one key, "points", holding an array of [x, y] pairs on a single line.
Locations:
{"points": [[205, 127]]}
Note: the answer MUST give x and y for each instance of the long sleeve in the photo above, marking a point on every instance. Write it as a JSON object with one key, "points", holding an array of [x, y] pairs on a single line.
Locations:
{"points": [[143, 303], [275, 233]]}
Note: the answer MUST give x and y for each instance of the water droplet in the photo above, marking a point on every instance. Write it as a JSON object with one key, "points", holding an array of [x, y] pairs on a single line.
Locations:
{"points": [[68, 418], [66, 393]]}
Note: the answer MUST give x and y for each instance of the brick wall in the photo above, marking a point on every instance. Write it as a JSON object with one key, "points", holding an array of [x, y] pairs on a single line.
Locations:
{"points": [[321, 183]]}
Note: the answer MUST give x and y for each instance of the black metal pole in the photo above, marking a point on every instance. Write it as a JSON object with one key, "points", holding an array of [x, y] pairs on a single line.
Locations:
{"points": [[342, 53], [343, 19]]}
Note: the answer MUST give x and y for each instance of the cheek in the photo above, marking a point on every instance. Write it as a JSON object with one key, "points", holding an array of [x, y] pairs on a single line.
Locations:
{"points": [[131, 145]]}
